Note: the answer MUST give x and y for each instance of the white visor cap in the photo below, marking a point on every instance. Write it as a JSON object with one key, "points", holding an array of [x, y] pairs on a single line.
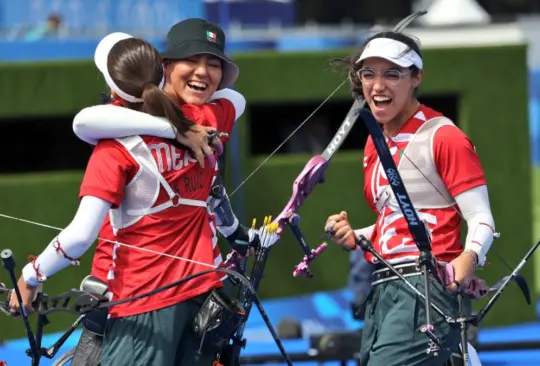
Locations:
{"points": [[394, 51], [101, 57]]}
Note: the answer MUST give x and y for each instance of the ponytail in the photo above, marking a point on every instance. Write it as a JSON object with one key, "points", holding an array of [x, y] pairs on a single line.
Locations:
{"points": [[157, 103]]}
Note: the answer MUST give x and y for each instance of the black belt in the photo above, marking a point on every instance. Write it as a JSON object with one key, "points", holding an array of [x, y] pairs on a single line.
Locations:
{"points": [[383, 274]]}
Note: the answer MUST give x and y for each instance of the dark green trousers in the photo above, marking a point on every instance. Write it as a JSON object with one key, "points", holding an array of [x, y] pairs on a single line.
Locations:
{"points": [[394, 314], [159, 338]]}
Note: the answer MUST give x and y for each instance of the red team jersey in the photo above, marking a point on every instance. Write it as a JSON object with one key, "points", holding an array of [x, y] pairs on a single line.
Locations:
{"points": [[182, 231], [101, 264], [460, 169]]}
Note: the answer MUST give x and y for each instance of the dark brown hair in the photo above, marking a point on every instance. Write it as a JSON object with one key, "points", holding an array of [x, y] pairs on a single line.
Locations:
{"points": [[350, 65], [136, 68]]}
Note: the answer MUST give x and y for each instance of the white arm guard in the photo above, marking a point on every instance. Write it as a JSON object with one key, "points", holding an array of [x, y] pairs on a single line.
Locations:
{"points": [[366, 231], [109, 122], [72, 242], [474, 206]]}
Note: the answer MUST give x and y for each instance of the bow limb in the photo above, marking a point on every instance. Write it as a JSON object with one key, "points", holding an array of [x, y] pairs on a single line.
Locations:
{"points": [[311, 175]]}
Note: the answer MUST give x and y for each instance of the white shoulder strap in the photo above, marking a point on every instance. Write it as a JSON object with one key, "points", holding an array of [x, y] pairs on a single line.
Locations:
{"points": [[146, 160], [419, 172]]}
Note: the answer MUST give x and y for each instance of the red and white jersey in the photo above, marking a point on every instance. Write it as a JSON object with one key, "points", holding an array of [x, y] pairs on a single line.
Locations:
{"points": [[183, 231], [459, 169]]}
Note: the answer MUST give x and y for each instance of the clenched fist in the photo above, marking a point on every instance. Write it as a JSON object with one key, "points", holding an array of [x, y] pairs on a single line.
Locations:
{"points": [[341, 231]]}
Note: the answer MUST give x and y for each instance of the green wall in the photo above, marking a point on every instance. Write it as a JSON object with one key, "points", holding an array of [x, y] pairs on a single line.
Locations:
{"points": [[492, 111]]}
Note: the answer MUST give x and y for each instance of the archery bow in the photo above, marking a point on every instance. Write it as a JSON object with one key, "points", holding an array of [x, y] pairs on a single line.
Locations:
{"points": [[312, 174]]}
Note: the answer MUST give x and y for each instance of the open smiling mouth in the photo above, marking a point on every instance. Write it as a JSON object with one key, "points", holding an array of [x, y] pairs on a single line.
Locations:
{"points": [[196, 85], [381, 101]]}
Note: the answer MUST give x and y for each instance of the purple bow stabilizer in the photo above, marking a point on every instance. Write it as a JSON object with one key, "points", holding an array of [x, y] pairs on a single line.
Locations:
{"points": [[302, 268]]}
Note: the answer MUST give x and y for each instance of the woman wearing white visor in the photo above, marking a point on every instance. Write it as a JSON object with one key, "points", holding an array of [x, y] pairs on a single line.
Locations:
{"points": [[443, 175]]}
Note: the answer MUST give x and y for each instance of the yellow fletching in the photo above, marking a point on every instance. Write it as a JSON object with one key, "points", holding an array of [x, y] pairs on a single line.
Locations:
{"points": [[254, 223]]}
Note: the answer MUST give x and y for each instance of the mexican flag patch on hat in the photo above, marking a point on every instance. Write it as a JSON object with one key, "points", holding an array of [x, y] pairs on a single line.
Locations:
{"points": [[211, 36]]}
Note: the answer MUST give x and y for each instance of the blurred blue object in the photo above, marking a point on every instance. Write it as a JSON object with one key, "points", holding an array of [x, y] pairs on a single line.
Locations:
{"points": [[534, 114], [47, 50], [252, 13], [234, 46], [315, 42], [359, 281], [101, 15]]}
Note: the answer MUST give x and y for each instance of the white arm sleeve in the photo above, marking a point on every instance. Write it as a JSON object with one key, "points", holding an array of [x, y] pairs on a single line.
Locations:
{"points": [[237, 100], [475, 208], [108, 122], [366, 231], [74, 240]]}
